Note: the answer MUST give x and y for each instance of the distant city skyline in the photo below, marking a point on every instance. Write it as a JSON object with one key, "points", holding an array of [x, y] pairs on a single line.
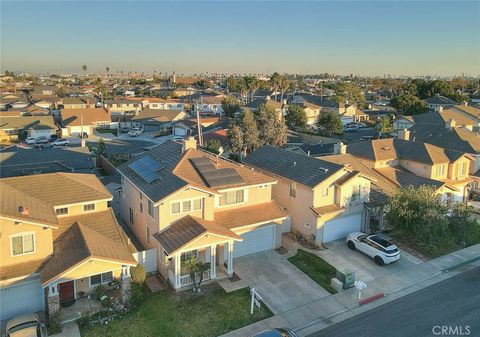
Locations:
{"points": [[366, 38]]}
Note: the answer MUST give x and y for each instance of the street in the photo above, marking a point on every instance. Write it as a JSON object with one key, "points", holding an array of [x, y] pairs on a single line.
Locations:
{"points": [[448, 308]]}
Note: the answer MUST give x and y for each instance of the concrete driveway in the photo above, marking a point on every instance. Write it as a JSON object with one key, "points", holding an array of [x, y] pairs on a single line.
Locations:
{"points": [[342, 258], [282, 286]]}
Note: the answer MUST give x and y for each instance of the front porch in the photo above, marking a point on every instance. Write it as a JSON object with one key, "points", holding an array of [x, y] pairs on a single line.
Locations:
{"points": [[81, 307], [218, 256]]}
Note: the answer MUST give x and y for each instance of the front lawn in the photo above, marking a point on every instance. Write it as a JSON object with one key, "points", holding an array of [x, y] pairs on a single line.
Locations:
{"points": [[167, 314], [316, 268]]}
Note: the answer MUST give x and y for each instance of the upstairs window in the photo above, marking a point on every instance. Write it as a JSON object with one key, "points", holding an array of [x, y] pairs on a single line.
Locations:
{"points": [[440, 170], [232, 197], [88, 207], [463, 169], [186, 206], [293, 189], [61, 211], [151, 209], [22, 244]]}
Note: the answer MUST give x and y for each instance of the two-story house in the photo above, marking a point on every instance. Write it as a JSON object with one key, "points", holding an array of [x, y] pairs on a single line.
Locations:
{"points": [[122, 106], [59, 240], [185, 202], [210, 104], [325, 200]]}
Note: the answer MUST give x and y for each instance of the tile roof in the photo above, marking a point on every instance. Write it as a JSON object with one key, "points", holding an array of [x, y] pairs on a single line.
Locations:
{"points": [[159, 115], [303, 169], [73, 117], [78, 244], [188, 228], [258, 102], [437, 99], [20, 269], [404, 178], [334, 208], [250, 215], [346, 178], [27, 122]]}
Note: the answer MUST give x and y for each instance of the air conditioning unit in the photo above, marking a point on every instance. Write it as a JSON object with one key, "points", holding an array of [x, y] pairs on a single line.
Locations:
{"points": [[347, 278]]}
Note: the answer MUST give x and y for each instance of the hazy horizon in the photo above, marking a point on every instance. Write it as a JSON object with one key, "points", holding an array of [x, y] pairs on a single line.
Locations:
{"points": [[367, 38]]}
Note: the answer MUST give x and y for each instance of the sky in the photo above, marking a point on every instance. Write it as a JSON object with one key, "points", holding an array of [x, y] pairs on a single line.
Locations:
{"points": [[367, 38]]}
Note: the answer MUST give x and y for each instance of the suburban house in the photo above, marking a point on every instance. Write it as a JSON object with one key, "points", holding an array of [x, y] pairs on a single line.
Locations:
{"points": [[210, 104], [14, 128], [188, 127], [325, 200], [76, 103], [438, 101], [156, 119], [185, 202], [280, 108], [122, 106], [76, 121], [15, 102], [59, 240], [413, 163], [165, 104]]}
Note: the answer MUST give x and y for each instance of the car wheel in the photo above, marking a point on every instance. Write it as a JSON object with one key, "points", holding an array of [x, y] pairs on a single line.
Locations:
{"points": [[378, 260], [351, 245]]}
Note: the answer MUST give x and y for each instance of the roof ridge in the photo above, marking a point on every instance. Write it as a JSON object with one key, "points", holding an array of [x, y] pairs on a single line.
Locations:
{"points": [[70, 175]]}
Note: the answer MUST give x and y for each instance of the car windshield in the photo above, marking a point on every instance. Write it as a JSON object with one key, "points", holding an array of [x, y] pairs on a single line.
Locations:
{"points": [[22, 326]]}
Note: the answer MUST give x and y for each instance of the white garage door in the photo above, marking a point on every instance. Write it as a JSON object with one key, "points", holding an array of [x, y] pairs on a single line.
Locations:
{"points": [[255, 241], [340, 227], [20, 299], [179, 131]]}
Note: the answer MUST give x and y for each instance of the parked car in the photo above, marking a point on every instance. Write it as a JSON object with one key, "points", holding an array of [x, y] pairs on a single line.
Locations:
{"points": [[125, 129], [41, 140], [53, 138], [380, 249], [281, 332], [27, 325], [61, 142], [135, 132], [177, 139], [362, 125], [351, 129], [30, 140], [366, 138]]}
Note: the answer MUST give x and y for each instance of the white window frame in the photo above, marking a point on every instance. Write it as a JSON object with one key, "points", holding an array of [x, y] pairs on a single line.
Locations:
{"points": [[151, 207], [440, 170], [22, 234], [245, 197], [59, 208], [90, 210], [101, 279], [181, 205], [193, 252]]}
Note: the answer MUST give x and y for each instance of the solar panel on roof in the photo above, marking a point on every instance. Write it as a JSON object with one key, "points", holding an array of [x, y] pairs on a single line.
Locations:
{"points": [[146, 168], [216, 177]]}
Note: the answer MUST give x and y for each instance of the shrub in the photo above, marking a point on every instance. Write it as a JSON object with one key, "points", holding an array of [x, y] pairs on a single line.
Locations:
{"points": [[54, 324], [138, 274], [99, 291], [136, 295]]}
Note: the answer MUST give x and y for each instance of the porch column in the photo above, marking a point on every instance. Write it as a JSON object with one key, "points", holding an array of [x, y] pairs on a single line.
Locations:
{"points": [[230, 258], [177, 265], [126, 284], [53, 299], [213, 262]]}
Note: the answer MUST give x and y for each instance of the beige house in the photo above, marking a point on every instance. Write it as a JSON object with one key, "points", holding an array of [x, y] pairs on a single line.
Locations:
{"points": [[184, 202], [15, 128], [59, 240], [76, 121], [325, 200]]}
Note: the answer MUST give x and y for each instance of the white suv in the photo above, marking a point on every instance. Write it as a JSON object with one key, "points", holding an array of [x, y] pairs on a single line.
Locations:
{"points": [[381, 250]]}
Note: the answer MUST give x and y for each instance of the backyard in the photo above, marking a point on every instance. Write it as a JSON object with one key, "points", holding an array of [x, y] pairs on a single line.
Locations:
{"points": [[316, 268], [168, 314]]}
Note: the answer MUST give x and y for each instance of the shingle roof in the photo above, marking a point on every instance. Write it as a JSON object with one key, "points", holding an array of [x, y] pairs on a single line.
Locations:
{"points": [[404, 178], [437, 99], [78, 244], [258, 102], [73, 117], [159, 115], [28, 122], [334, 208], [249, 215], [20, 269], [294, 166], [188, 228]]}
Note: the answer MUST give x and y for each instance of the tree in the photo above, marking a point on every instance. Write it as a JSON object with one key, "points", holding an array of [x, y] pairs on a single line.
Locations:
{"points": [[230, 106], [330, 124], [235, 135], [409, 104], [251, 85], [347, 92], [384, 126], [138, 274], [296, 118], [251, 135], [84, 68], [283, 85], [196, 269], [102, 148], [275, 81]]}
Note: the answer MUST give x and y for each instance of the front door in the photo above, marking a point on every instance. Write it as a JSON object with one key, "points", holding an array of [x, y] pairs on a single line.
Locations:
{"points": [[67, 291]]}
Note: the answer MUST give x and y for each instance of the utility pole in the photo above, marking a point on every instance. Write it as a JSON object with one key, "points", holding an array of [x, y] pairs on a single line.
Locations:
{"points": [[81, 128], [199, 129]]}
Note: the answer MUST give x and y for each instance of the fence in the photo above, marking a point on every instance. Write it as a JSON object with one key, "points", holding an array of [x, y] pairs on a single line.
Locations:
{"points": [[148, 259], [107, 166]]}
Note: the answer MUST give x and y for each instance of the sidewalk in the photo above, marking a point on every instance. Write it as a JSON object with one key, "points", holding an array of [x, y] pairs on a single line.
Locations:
{"points": [[321, 313]]}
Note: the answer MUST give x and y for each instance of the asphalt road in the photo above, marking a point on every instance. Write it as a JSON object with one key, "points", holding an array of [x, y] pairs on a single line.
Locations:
{"points": [[454, 303]]}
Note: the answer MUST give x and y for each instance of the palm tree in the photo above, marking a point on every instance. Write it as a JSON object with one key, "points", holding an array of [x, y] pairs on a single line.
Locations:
{"points": [[283, 85], [84, 68], [196, 267], [274, 79]]}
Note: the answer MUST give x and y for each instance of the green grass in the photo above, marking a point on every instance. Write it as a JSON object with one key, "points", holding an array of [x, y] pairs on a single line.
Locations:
{"points": [[112, 131], [316, 268], [211, 313]]}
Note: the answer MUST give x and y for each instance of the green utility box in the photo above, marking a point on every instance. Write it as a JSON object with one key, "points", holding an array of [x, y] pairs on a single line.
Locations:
{"points": [[347, 278]]}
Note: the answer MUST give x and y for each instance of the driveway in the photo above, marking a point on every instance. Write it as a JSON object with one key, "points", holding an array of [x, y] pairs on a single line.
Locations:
{"points": [[343, 258], [282, 286]]}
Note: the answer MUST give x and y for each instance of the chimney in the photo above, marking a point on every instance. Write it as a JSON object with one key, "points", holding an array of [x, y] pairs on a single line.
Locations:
{"points": [[189, 143], [23, 210], [450, 124], [339, 148], [465, 103], [404, 134]]}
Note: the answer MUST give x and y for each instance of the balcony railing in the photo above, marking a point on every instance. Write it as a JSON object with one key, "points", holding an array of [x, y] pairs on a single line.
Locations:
{"points": [[186, 280]]}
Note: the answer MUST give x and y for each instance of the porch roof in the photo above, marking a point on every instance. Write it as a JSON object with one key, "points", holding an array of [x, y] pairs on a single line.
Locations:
{"points": [[79, 244], [187, 229], [251, 215]]}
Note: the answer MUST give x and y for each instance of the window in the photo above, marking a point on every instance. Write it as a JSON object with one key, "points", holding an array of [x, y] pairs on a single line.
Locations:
{"points": [[141, 208], [197, 204], [141, 196], [151, 208], [187, 206], [356, 192], [463, 168], [293, 189], [23, 244], [325, 192], [101, 278], [188, 255], [440, 170], [88, 207], [176, 208], [231, 197], [148, 235], [262, 186], [61, 211], [130, 215]]}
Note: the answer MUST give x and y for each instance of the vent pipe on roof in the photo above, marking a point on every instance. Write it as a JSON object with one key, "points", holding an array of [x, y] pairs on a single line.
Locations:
{"points": [[294, 164]]}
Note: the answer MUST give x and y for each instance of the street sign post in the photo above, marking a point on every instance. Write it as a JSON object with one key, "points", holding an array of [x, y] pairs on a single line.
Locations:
{"points": [[255, 300]]}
